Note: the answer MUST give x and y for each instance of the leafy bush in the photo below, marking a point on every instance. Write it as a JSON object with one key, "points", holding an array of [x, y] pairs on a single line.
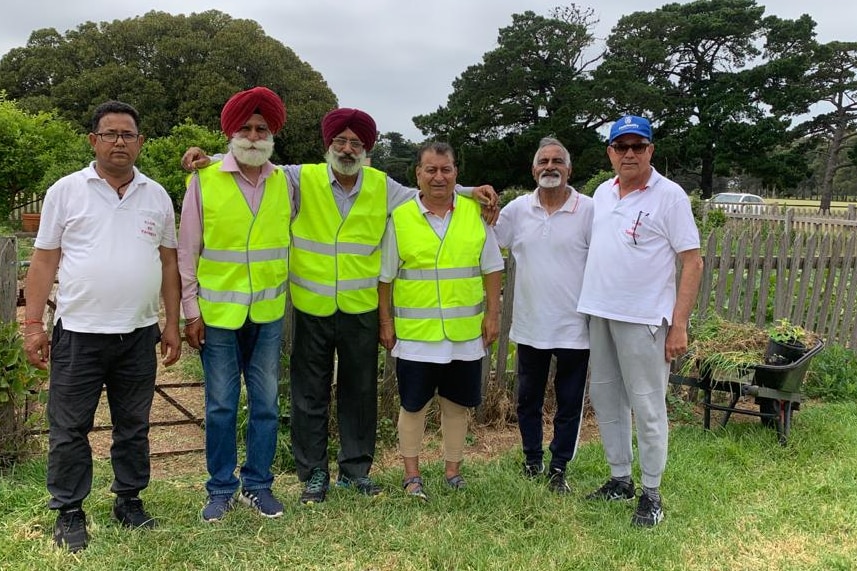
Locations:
{"points": [[832, 375], [595, 181], [17, 379]]}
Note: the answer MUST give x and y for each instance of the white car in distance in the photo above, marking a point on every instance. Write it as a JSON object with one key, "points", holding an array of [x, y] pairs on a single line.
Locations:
{"points": [[738, 202]]}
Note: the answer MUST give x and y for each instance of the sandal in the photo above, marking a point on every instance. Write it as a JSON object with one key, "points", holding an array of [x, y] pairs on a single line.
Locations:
{"points": [[456, 482], [413, 486]]}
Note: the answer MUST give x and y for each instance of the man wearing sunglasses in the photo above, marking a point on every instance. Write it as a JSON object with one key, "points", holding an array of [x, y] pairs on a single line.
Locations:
{"points": [[638, 317]]}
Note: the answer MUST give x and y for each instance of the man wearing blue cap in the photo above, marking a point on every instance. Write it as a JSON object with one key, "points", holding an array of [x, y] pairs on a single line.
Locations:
{"points": [[638, 317]]}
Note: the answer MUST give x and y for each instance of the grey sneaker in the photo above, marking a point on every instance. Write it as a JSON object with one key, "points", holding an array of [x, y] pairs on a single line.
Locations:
{"points": [[70, 530], [648, 512], [557, 483], [614, 490], [217, 507], [315, 490], [365, 485], [263, 501], [532, 471]]}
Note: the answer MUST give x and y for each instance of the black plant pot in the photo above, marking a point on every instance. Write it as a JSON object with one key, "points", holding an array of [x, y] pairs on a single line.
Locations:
{"points": [[778, 353]]}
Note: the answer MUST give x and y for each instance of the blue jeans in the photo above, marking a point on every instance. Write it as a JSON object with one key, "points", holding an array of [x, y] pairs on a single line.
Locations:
{"points": [[253, 350]]}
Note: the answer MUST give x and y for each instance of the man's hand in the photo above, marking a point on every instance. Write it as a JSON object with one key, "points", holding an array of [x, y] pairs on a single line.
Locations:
{"points": [[676, 344], [171, 345], [194, 158], [194, 333], [37, 347], [490, 328], [387, 334], [486, 196]]}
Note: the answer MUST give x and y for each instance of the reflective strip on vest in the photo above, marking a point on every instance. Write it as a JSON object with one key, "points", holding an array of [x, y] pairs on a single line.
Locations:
{"points": [[265, 255], [334, 264], [243, 267], [438, 290]]}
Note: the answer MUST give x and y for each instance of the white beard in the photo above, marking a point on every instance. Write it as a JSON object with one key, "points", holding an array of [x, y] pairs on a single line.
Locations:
{"points": [[546, 180], [345, 167], [252, 153]]}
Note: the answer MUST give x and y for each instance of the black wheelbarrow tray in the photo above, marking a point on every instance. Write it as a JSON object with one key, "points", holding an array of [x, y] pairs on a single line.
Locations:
{"points": [[776, 389]]}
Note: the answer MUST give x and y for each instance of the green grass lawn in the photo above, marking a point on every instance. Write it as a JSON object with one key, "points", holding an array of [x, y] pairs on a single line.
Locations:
{"points": [[734, 500]]}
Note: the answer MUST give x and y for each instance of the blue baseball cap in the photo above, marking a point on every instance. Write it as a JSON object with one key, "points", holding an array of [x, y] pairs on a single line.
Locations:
{"points": [[631, 125]]}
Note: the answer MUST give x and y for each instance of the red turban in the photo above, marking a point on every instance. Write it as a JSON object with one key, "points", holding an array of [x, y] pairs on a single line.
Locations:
{"points": [[358, 121], [244, 104]]}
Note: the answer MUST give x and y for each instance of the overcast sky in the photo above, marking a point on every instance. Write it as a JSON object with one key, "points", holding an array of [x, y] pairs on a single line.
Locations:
{"points": [[392, 58]]}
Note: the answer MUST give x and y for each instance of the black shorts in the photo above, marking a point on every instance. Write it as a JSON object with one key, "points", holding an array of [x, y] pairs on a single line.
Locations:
{"points": [[458, 381]]}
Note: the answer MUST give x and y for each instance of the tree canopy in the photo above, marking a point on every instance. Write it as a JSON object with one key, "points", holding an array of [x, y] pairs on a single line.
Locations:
{"points": [[171, 68], [725, 86]]}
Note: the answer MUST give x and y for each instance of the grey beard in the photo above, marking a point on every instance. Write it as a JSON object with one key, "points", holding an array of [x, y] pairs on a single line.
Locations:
{"points": [[549, 181], [344, 168]]}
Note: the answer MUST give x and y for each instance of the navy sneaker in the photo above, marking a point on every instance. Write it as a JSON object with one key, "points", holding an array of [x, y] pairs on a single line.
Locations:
{"points": [[70, 530], [315, 489], [217, 507], [263, 501], [648, 512], [363, 484], [130, 513], [614, 490]]}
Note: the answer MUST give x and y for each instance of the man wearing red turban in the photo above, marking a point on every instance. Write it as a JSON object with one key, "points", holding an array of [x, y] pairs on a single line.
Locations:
{"points": [[233, 259], [341, 212]]}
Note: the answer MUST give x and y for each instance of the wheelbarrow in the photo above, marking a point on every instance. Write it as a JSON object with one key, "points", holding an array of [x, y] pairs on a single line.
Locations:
{"points": [[776, 388]]}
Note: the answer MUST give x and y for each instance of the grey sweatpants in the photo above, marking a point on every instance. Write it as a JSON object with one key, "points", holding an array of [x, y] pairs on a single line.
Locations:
{"points": [[629, 372]]}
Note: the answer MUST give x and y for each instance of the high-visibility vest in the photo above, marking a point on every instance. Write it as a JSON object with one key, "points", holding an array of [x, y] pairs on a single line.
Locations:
{"points": [[335, 263], [438, 290], [243, 266]]}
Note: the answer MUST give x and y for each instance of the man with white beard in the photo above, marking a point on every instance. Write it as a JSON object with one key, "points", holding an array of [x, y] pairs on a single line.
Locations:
{"points": [[340, 211], [233, 260], [547, 233]]}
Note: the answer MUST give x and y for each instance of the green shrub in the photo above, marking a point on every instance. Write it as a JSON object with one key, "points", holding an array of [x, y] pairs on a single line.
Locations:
{"points": [[17, 379], [832, 375], [595, 181]]}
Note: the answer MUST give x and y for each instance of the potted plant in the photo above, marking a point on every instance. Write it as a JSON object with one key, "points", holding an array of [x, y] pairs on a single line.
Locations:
{"points": [[787, 343]]}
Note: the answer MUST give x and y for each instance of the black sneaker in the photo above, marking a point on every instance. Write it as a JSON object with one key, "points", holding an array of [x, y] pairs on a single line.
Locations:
{"points": [[532, 471], [130, 513], [364, 484], [557, 483], [648, 512], [70, 530], [315, 489], [614, 490]]}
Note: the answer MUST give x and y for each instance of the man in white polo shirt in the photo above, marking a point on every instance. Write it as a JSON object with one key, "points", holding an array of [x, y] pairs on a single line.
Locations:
{"points": [[638, 322], [111, 233], [548, 232]]}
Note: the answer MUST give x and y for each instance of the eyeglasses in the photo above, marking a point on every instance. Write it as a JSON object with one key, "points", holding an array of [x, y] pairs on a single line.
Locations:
{"points": [[113, 137], [340, 142], [622, 148]]}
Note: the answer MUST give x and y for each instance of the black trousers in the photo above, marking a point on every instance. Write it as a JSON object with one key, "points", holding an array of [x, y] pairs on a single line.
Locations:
{"points": [[354, 339], [81, 364], [569, 386]]}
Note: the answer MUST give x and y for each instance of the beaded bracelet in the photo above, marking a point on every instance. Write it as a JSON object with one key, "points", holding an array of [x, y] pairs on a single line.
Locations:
{"points": [[32, 322]]}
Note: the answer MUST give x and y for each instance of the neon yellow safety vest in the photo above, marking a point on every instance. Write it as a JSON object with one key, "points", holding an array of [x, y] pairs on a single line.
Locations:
{"points": [[243, 266], [335, 263], [438, 291]]}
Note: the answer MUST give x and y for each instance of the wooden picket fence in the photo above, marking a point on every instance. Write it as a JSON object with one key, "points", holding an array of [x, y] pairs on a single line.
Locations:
{"points": [[808, 278]]}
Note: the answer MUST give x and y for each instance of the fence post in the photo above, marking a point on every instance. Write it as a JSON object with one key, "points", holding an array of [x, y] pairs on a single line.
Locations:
{"points": [[8, 278]]}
